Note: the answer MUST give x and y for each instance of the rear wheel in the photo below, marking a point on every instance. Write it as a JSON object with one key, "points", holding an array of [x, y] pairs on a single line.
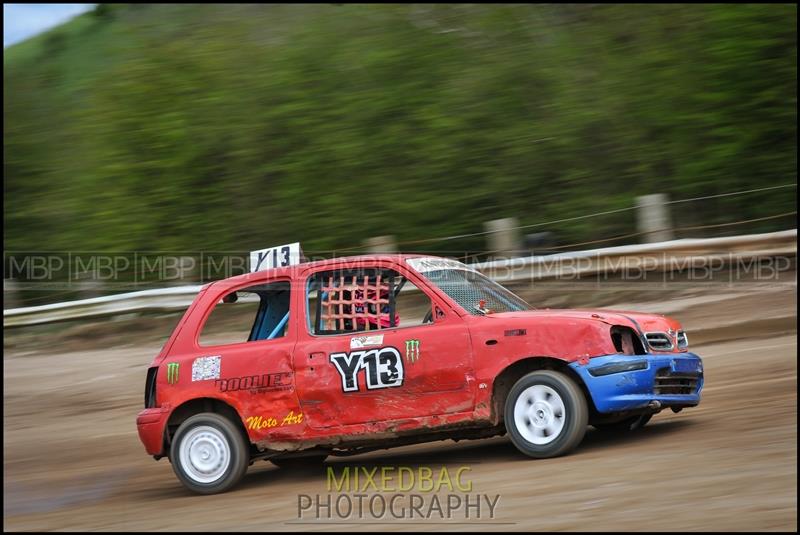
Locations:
{"points": [[209, 454], [546, 414], [628, 424]]}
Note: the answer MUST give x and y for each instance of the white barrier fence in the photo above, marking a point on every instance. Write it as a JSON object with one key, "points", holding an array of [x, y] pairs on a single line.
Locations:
{"points": [[652, 256]]}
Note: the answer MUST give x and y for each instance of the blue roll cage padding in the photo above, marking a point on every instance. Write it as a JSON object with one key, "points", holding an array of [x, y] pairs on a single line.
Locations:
{"points": [[267, 326], [279, 327], [259, 323]]}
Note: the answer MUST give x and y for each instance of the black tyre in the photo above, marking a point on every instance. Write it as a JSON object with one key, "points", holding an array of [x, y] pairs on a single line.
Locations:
{"points": [[209, 454], [300, 463], [546, 414], [628, 424]]}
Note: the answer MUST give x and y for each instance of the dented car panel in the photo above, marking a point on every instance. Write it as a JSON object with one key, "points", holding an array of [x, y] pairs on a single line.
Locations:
{"points": [[434, 365], [304, 390]]}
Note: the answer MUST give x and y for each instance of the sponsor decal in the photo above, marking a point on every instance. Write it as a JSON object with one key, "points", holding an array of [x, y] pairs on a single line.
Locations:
{"points": [[265, 422], [256, 383], [360, 342], [412, 351], [205, 368], [426, 264], [384, 368], [516, 332], [172, 372]]}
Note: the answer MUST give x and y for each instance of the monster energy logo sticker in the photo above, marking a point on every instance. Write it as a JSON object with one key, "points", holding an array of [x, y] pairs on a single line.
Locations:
{"points": [[172, 372], [412, 350]]}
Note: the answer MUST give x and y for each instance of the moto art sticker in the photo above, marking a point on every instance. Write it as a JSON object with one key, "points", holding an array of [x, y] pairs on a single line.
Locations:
{"points": [[205, 368], [358, 342]]}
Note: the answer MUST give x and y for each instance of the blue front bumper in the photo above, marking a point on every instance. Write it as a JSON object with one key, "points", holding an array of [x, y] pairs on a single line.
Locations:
{"points": [[674, 380]]}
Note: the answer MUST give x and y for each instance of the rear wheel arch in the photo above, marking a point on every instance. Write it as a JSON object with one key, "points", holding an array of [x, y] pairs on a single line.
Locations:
{"points": [[191, 407], [505, 380]]}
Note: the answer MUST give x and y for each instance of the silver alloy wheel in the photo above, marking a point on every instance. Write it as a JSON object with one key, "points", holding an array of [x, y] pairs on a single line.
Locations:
{"points": [[539, 414], [205, 454]]}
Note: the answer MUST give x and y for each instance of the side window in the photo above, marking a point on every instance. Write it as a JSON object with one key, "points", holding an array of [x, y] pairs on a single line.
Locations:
{"points": [[364, 299], [413, 306], [259, 312]]}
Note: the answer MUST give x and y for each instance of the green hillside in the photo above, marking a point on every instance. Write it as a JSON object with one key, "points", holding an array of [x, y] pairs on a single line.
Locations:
{"points": [[230, 127]]}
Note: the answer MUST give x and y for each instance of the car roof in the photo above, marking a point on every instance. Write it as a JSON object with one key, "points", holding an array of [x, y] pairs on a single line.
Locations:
{"points": [[293, 271]]}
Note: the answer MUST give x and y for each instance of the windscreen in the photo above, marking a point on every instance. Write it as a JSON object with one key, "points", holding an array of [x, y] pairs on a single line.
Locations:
{"points": [[476, 293]]}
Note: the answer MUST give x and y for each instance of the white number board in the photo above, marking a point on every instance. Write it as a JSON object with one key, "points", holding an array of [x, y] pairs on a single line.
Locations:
{"points": [[275, 257]]}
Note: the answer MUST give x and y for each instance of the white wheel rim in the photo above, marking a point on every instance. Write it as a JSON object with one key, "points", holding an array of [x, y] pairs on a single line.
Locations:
{"points": [[539, 414], [205, 454]]}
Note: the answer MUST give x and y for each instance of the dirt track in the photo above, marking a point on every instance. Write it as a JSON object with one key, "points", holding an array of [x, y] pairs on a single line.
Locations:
{"points": [[73, 460]]}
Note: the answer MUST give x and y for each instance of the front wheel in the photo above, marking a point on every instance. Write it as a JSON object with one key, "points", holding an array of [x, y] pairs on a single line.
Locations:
{"points": [[209, 454], [546, 414]]}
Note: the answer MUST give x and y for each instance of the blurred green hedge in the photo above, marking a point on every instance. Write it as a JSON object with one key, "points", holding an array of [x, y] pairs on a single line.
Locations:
{"points": [[230, 127]]}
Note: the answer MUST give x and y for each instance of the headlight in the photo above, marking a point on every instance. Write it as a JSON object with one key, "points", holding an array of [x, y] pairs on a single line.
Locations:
{"points": [[683, 340]]}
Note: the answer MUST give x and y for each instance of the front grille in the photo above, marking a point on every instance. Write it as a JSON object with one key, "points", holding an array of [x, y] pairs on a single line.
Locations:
{"points": [[675, 384], [659, 341]]}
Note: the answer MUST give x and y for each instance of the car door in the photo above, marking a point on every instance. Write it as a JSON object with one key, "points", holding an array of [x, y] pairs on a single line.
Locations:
{"points": [[390, 372], [243, 351]]}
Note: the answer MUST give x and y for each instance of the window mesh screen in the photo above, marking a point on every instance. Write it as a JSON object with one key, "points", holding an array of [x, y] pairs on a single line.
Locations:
{"points": [[468, 289], [359, 299], [355, 301]]}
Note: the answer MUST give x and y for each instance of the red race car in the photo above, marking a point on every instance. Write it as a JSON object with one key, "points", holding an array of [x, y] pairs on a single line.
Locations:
{"points": [[295, 363]]}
